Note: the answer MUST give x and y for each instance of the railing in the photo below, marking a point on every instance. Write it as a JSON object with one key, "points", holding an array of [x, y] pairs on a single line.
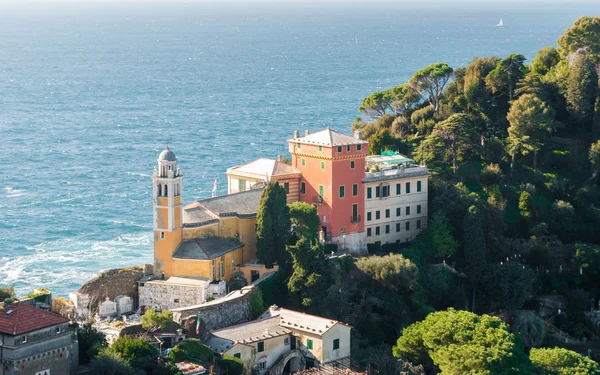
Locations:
{"points": [[317, 199], [355, 219]]}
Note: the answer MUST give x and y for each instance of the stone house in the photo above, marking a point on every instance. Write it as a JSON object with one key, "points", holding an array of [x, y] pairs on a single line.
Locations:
{"points": [[285, 341], [34, 341]]}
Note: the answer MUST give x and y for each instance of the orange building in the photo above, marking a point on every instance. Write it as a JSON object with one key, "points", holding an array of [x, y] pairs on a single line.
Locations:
{"points": [[333, 167]]}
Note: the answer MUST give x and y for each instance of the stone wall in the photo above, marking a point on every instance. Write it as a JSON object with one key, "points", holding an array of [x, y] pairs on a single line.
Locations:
{"points": [[232, 309], [169, 296]]}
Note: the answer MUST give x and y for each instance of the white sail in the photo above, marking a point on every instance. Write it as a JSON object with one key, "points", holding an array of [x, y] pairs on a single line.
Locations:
{"points": [[500, 24]]}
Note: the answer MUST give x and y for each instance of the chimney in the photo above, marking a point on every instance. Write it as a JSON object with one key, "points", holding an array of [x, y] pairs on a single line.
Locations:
{"points": [[296, 134], [279, 158], [358, 134], [306, 132]]}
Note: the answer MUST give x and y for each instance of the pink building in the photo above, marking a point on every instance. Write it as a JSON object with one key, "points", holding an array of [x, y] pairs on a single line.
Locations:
{"points": [[333, 167]]}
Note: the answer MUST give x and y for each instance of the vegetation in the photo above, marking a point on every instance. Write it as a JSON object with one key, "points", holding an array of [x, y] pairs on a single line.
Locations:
{"points": [[191, 350], [153, 321], [136, 351], [272, 225], [558, 361], [91, 342]]}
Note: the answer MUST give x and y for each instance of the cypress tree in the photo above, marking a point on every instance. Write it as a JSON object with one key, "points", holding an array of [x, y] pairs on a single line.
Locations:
{"points": [[272, 225], [581, 91]]}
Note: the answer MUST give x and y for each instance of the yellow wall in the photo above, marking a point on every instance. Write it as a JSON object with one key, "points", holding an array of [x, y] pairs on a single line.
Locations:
{"points": [[247, 269], [164, 248], [203, 268]]}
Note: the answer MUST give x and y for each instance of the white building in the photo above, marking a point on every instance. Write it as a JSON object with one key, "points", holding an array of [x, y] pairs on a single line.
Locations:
{"points": [[124, 304], [173, 293], [107, 308], [285, 341], [395, 199]]}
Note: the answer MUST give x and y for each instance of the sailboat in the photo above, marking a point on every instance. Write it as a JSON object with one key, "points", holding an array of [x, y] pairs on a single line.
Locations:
{"points": [[500, 24]]}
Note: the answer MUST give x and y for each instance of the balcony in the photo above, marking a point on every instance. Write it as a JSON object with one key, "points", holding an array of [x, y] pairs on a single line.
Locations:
{"points": [[355, 219], [317, 199]]}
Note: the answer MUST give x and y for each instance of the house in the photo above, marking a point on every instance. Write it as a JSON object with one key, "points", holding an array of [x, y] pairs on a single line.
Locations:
{"points": [[396, 198], [283, 340], [34, 341]]}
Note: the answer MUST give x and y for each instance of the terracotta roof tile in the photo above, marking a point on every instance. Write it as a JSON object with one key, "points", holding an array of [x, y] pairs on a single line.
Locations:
{"points": [[21, 318]]}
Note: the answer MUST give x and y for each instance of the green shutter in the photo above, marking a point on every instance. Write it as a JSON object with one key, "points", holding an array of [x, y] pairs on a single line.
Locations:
{"points": [[321, 191], [342, 191], [368, 193]]}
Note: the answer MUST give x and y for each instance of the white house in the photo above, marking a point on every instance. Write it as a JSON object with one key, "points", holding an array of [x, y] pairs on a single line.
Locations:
{"points": [[282, 340], [395, 199]]}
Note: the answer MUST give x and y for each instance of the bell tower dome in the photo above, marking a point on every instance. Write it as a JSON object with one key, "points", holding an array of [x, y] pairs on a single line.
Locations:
{"points": [[167, 188]]}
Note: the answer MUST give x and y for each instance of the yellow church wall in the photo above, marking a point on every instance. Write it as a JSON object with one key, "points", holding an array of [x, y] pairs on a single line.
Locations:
{"points": [[203, 268], [164, 248], [177, 200], [162, 201], [177, 217], [247, 231], [210, 230]]}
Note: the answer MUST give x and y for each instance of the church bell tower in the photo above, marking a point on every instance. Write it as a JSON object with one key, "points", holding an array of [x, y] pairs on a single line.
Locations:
{"points": [[166, 192]]}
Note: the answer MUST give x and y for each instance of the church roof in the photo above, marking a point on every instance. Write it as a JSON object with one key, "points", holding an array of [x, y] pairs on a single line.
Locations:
{"points": [[167, 155], [328, 137], [206, 248], [261, 168], [243, 204], [21, 318]]}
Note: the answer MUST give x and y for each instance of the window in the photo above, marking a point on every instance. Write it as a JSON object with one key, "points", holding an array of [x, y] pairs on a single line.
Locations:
{"points": [[241, 185], [398, 189], [298, 145], [303, 187], [418, 185], [336, 344], [309, 344], [261, 346], [176, 300], [340, 148], [237, 355], [387, 213], [398, 210], [342, 191], [407, 188], [320, 148], [162, 235], [377, 191], [213, 269], [57, 329], [407, 226], [222, 265], [368, 232], [355, 213], [286, 341], [397, 227], [377, 231], [368, 216], [385, 191], [321, 188], [418, 224], [349, 148], [377, 215], [418, 208], [286, 187], [369, 194], [387, 229], [358, 147], [355, 190], [304, 162], [23, 339], [322, 165], [408, 210], [262, 365], [352, 164]]}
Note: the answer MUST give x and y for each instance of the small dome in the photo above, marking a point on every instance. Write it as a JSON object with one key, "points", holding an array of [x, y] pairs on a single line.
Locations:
{"points": [[167, 155]]}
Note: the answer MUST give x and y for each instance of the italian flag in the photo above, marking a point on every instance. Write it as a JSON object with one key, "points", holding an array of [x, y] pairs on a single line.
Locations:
{"points": [[198, 324]]}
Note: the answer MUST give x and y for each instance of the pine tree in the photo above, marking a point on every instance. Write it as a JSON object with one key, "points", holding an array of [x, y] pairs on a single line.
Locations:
{"points": [[581, 90], [272, 225]]}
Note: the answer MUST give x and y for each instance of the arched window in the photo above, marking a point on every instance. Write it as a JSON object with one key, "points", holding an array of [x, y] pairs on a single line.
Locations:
{"points": [[166, 191], [159, 190]]}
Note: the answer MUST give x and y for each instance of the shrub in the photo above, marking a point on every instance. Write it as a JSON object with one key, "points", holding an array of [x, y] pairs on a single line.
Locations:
{"points": [[110, 363], [139, 353], [7, 292], [393, 271], [152, 320], [91, 342], [491, 175], [231, 365], [191, 350], [257, 304]]}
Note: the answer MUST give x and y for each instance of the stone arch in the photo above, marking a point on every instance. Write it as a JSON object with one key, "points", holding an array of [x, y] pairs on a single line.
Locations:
{"points": [[294, 358]]}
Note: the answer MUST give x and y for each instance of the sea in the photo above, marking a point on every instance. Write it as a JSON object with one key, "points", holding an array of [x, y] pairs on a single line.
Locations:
{"points": [[92, 92]]}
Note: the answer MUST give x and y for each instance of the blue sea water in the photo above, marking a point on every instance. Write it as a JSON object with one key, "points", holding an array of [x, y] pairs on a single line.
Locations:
{"points": [[91, 93]]}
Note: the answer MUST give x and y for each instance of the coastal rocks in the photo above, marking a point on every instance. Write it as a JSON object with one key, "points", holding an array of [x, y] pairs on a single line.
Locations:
{"points": [[108, 285]]}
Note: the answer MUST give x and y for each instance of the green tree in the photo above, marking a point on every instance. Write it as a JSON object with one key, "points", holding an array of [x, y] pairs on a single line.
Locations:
{"points": [[474, 90], [305, 220], [460, 342], [585, 33], [582, 90], [139, 353], [530, 120], [474, 248], [437, 240], [109, 362], [7, 292], [546, 59], [376, 104], [91, 342], [272, 225], [394, 271], [594, 155], [230, 365], [507, 285], [430, 82], [191, 350], [526, 205], [503, 79], [152, 320], [310, 271], [402, 98], [531, 328], [453, 135], [559, 361], [381, 141]]}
